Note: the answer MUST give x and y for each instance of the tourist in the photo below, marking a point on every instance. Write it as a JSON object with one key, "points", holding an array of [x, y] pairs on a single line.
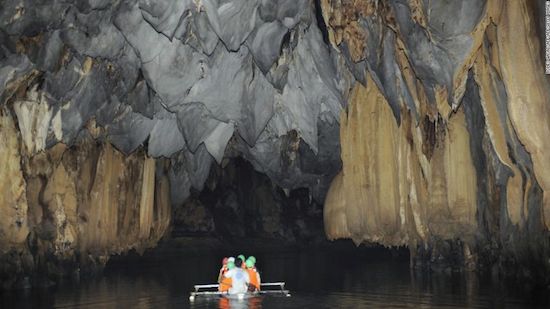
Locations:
{"points": [[239, 277], [254, 274]]}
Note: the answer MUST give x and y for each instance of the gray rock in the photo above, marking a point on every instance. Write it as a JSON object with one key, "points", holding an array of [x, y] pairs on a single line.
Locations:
{"points": [[11, 69], [265, 44], [196, 123], [224, 80], [387, 76], [165, 138], [30, 18], [139, 100], [257, 107], [232, 20], [196, 31], [93, 35], [169, 67], [436, 57], [49, 55], [81, 102], [217, 140], [358, 69], [289, 12], [129, 130], [310, 87], [153, 73], [165, 15]]}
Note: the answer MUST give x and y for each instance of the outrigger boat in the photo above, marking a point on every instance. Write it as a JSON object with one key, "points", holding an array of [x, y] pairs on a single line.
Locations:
{"points": [[267, 288]]}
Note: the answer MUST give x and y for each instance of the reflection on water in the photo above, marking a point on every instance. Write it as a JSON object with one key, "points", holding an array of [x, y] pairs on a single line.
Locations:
{"points": [[233, 303], [316, 279]]}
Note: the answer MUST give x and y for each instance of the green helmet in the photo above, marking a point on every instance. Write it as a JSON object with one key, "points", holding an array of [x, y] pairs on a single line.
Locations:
{"points": [[249, 263], [230, 265], [252, 258], [241, 257]]}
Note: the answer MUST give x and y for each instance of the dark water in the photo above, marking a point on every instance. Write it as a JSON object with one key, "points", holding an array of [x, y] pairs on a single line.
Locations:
{"points": [[321, 278]]}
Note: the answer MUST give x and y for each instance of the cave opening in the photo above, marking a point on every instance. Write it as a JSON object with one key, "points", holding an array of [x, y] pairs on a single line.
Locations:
{"points": [[240, 207], [238, 202]]}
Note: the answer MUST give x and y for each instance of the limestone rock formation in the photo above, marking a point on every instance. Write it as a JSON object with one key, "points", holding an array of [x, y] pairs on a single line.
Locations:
{"points": [[448, 137], [67, 209], [114, 111], [430, 118]]}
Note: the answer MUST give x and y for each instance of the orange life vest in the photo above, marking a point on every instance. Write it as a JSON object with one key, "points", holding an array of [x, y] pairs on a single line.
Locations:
{"points": [[225, 285], [253, 274]]}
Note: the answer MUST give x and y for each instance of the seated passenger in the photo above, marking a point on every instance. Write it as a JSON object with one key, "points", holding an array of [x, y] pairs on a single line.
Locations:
{"points": [[239, 278], [254, 275], [242, 258], [223, 269], [226, 283]]}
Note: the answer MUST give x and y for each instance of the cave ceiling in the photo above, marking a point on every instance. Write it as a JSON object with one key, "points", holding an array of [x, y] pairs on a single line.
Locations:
{"points": [[197, 81]]}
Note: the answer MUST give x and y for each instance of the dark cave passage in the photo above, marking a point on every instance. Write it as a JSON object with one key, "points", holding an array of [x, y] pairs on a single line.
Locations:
{"points": [[238, 202]]}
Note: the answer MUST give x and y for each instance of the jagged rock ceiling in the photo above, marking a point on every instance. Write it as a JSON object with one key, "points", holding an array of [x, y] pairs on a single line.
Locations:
{"points": [[185, 78]]}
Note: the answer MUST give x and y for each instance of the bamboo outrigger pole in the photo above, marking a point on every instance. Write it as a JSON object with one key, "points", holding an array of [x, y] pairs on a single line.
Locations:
{"points": [[200, 287]]}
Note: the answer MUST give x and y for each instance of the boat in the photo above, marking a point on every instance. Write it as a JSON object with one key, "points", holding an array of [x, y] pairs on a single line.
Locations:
{"points": [[209, 290]]}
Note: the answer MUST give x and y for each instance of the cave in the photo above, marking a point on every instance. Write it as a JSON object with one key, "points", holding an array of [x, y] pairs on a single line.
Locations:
{"points": [[347, 145]]}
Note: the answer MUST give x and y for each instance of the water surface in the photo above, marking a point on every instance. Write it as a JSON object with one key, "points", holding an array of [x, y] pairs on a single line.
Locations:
{"points": [[317, 278]]}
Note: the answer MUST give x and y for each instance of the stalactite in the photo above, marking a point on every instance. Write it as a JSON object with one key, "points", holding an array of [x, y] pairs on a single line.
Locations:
{"points": [[88, 200], [464, 161]]}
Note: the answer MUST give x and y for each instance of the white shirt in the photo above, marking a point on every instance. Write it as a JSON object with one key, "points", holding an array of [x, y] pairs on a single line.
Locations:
{"points": [[240, 280]]}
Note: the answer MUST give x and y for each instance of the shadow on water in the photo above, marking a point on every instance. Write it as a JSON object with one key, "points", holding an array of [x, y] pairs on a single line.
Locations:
{"points": [[333, 277]]}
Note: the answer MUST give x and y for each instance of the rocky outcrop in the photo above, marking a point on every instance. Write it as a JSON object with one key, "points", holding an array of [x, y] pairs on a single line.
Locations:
{"points": [[68, 209], [445, 145]]}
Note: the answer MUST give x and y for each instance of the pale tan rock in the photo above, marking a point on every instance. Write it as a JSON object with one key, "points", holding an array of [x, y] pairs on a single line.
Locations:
{"points": [[388, 192], [497, 129], [13, 200], [147, 198], [60, 199], [528, 89]]}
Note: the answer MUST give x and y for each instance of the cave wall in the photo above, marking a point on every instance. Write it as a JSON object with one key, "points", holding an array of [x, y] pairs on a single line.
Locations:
{"points": [[68, 209], [191, 79], [425, 121], [445, 141], [116, 110]]}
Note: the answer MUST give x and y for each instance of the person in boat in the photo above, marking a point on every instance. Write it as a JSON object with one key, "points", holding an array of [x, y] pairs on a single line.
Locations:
{"points": [[254, 274], [223, 269], [242, 258], [239, 278], [224, 282]]}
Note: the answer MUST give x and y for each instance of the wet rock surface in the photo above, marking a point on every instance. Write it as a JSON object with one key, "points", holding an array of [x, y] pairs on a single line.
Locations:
{"points": [[76, 206], [435, 153]]}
